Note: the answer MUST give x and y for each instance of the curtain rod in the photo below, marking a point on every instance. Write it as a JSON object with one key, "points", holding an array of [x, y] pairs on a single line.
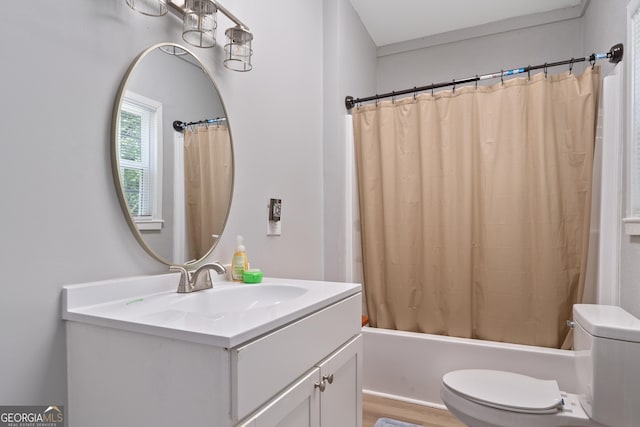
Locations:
{"points": [[614, 55], [181, 126]]}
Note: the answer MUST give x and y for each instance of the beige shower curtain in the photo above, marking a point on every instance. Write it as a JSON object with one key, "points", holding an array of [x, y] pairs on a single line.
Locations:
{"points": [[208, 183], [475, 207]]}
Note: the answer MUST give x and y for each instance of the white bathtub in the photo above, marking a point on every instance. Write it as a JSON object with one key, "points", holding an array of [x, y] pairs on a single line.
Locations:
{"points": [[409, 366]]}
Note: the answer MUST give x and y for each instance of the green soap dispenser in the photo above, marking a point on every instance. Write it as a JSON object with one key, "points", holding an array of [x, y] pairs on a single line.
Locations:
{"points": [[239, 263]]}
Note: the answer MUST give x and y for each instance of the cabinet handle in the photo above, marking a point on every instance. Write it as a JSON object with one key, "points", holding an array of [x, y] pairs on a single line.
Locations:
{"points": [[321, 385], [328, 378]]}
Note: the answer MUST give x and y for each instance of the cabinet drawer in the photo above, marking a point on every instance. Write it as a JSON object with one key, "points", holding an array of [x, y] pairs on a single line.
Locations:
{"points": [[260, 369]]}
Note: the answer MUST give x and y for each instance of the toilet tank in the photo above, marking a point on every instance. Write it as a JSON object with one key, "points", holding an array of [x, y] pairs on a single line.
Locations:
{"points": [[607, 346]]}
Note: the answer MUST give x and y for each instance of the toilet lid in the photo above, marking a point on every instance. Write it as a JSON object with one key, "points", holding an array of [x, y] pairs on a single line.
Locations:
{"points": [[506, 390]]}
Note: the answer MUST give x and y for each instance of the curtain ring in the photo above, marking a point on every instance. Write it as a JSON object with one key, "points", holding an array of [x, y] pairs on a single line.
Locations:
{"points": [[529, 72], [393, 96], [477, 78], [377, 99], [571, 66], [545, 70], [502, 77], [592, 61], [414, 92], [432, 95], [454, 86]]}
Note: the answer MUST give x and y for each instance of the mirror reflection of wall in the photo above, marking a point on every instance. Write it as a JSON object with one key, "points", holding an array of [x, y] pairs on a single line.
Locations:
{"points": [[163, 88]]}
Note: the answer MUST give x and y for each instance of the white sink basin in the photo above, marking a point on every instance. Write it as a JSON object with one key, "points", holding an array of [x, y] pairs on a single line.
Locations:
{"points": [[237, 299], [226, 315]]}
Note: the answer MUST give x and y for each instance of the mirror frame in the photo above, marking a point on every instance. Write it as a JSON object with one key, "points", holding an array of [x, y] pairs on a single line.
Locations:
{"points": [[115, 164]]}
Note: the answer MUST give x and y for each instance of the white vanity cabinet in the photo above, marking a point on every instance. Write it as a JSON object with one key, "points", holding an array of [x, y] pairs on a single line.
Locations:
{"points": [[327, 396], [305, 372]]}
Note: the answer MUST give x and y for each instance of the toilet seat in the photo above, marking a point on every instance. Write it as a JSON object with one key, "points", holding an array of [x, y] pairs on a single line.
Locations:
{"points": [[506, 390]]}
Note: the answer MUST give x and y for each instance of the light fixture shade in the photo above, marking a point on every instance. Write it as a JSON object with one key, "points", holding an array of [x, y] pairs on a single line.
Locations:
{"points": [[237, 51], [199, 25], [149, 7]]}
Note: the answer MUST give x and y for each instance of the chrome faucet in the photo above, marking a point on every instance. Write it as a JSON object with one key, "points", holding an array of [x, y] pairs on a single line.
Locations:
{"points": [[191, 281]]}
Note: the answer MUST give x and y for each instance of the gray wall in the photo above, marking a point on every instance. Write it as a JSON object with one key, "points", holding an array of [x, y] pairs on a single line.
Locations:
{"points": [[60, 221], [481, 55], [349, 69], [604, 24]]}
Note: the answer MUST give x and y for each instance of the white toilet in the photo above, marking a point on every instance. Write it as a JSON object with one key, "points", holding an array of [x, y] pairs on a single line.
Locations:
{"points": [[607, 361]]}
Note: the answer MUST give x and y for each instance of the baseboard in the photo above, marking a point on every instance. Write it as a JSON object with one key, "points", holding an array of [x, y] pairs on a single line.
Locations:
{"points": [[405, 399]]}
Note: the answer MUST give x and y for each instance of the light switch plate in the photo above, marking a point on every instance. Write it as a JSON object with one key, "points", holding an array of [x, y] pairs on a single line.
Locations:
{"points": [[274, 228], [274, 217]]}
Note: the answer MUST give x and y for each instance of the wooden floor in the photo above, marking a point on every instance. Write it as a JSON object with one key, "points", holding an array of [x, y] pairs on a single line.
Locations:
{"points": [[375, 407]]}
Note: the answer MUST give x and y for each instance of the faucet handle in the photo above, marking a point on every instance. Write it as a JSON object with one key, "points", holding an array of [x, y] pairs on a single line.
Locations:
{"points": [[185, 282]]}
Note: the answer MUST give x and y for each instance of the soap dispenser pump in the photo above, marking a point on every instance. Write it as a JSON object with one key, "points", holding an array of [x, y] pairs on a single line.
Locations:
{"points": [[239, 263]]}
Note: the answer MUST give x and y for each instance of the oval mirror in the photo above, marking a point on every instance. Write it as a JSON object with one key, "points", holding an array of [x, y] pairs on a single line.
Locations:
{"points": [[172, 155]]}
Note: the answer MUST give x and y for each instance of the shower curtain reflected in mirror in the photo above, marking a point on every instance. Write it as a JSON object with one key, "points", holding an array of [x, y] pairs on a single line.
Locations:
{"points": [[208, 175], [475, 207]]}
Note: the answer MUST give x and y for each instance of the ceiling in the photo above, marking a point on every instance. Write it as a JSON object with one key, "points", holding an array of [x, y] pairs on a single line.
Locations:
{"points": [[396, 21]]}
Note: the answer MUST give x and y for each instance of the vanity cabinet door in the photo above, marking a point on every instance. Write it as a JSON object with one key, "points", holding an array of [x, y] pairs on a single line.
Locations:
{"points": [[298, 406], [341, 400]]}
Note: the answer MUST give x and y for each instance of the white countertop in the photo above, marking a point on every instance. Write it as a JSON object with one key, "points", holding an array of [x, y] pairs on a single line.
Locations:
{"points": [[227, 315]]}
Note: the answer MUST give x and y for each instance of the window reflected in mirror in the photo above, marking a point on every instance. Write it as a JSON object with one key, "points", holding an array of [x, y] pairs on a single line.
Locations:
{"points": [[140, 167]]}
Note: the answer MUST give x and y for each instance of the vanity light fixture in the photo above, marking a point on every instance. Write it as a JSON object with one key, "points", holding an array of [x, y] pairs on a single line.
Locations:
{"points": [[199, 27], [199, 23], [237, 51], [149, 7]]}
